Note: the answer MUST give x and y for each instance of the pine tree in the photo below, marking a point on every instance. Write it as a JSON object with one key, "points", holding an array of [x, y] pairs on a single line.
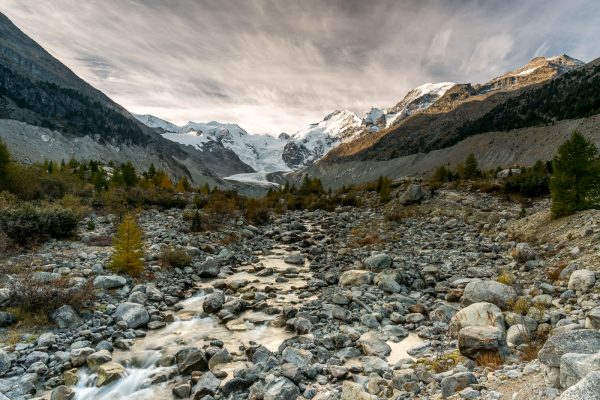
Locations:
{"points": [[128, 248], [575, 183], [471, 167], [128, 173]]}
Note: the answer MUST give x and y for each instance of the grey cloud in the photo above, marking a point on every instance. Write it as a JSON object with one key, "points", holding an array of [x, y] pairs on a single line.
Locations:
{"points": [[276, 65]]}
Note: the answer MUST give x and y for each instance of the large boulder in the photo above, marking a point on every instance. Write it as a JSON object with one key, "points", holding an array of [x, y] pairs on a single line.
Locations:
{"points": [[98, 358], [110, 372], [488, 291], [300, 357], [478, 314], [133, 314], [66, 317], [355, 278], [355, 391], [574, 367], [474, 341], [209, 268], [4, 297], [378, 262], [109, 282], [213, 302], [191, 359], [582, 280], [412, 195], [588, 388], [61, 392], [208, 384], [582, 341], [457, 382]]}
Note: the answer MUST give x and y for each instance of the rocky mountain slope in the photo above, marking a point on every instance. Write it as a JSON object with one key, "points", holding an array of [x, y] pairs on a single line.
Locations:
{"points": [[38, 90], [438, 125]]}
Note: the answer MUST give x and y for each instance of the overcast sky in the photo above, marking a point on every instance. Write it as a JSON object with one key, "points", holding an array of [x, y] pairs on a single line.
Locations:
{"points": [[275, 66]]}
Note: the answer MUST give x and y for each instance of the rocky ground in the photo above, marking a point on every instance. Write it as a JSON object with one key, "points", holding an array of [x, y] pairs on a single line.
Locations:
{"points": [[326, 305]]}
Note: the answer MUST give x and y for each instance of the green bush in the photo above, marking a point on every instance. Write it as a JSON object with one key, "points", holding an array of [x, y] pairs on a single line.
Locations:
{"points": [[29, 224], [528, 184]]}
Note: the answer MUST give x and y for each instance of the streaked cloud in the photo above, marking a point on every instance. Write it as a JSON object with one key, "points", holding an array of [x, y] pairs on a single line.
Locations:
{"points": [[276, 65]]}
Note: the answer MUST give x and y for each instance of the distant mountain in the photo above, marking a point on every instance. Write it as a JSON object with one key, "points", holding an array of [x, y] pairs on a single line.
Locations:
{"points": [[434, 121], [61, 116], [261, 152]]}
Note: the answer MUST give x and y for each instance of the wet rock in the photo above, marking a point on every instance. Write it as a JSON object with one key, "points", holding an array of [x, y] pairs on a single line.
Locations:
{"points": [[378, 262], [66, 317], [110, 372], [213, 302], [355, 278], [62, 393], [301, 325], [574, 367], [475, 340], [235, 385], [98, 358], [220, 357], [281, 389], [182, 390], [488, 291], [295, 258], [209, 268], [588, 388], [208, 384], [109, 282], [191, 359], [79, 356], [456, 383], [582, 280], [133, 314]]}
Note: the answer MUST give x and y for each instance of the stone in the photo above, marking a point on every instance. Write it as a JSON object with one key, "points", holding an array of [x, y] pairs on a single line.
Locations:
{"points": [[138, 297], [109, 282], [574, 367], [66, 317], [70, 377], [5, 362], [47, 339], [355, 278], [220, 357], [4, 297], [6, 319], [474, 340], [208, 384], [209, 268], [378, 262], [588, 388], [518, 334], [62, 393], [523, 252], [413, 194], [182, 390], [98, 358], [302, 326], [281, 389], [300, 357], [478, 314], [592, 320], [375, 364], [488, 291], [291, 371], [110, 372], [582, 341], [37, 356], [79, 356], [387, 282], [133, 314], [213, 302], [294, 258], [191, 359], [235, 385], [457, 382], [582, 280], [355, 391], [371, 345]]}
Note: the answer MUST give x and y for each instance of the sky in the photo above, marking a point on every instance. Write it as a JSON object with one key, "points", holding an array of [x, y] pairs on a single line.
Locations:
{"points": [[277, 65]]}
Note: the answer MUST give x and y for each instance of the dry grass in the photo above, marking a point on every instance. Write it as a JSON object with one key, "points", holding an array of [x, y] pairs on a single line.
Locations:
{"points": [[364, 237], [534, 346], [553, 271], [231, 238], [441, 363], [521, 305], [505, 277], [489, 359]]}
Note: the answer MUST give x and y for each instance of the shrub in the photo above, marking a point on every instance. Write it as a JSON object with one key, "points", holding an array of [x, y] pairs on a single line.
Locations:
{"points": [[28, 224], [489, 359], [575, 183], [196, 221], [174, 257], [30, 296], [506, 277], [256, 212], [521, 305], [127, 243], [220, 208], [553, 272]]}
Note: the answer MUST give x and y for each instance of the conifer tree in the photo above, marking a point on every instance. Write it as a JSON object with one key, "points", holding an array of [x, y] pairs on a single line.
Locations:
{"points": [[4, 163], [471, 167], [128, 248]]}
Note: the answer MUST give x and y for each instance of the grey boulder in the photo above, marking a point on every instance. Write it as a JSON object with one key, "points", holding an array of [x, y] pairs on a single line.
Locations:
{"points": [[133, 314]]}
